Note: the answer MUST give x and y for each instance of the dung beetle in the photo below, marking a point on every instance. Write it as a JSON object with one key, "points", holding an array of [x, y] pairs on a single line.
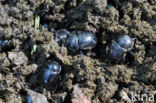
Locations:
{"points": [[87, 40], [61, 35], [51, 72], [125, 42], [118, 49], [72, 42], [77, 39], [81, 40]]}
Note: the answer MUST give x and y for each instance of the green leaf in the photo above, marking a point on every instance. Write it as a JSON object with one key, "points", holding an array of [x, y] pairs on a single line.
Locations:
{"points": [[37, 22]]}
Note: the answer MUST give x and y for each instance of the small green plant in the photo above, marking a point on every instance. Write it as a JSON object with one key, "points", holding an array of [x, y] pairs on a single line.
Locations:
{"points": [[37, 22], [34, 49]]}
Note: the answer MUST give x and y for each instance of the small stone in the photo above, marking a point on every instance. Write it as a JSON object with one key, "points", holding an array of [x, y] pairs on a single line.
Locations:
{"points": [[36, 97], [18, 58], [78, 96]]}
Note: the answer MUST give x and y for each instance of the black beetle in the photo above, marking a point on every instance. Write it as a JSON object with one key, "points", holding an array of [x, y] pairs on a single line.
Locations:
{"points": [[61, 35], [50, 73], [77, 39], [72, 42], [118, 49], [87, 40], [125, 42]]}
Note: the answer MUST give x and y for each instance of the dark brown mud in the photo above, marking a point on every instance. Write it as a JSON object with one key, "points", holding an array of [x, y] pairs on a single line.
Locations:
{"points": [[99, 79]]}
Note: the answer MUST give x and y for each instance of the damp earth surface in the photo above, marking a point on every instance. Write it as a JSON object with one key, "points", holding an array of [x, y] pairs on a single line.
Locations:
{"points": [[88, 72]]}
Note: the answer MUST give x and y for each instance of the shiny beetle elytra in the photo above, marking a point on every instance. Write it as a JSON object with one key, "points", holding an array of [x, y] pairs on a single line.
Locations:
{"points": [[51, 72], [118, 49], [77, 39]]}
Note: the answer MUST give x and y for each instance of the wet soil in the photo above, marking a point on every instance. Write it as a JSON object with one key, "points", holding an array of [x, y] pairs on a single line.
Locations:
{"points": [[100, 79]]}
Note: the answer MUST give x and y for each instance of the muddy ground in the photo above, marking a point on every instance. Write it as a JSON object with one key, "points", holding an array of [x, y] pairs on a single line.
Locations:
{"points": [[101, 80]]}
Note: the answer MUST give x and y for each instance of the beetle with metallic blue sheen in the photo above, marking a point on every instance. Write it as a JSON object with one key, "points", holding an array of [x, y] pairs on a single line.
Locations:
{"points": [[77, 40], [61, 35], [72, 42], [125, 42], [87, 40], [116, 52], [52, 72], [118, 49]]}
